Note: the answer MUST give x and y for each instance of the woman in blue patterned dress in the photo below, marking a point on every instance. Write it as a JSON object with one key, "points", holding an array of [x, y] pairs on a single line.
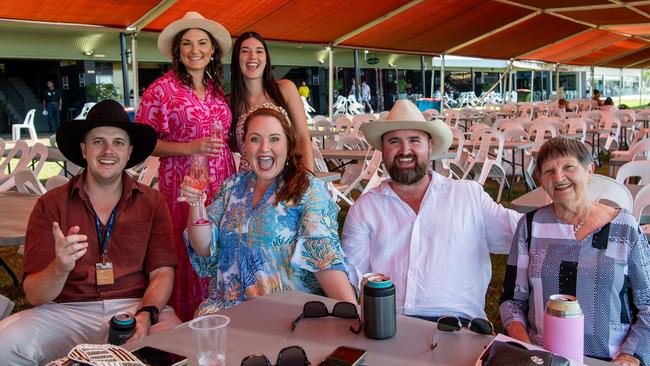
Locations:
{"points": [[585, 249], [274, 228]]}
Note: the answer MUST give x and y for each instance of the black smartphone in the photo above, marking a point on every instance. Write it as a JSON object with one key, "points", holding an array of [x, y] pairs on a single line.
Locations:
{"points": [[345, 356], [156, 357]]}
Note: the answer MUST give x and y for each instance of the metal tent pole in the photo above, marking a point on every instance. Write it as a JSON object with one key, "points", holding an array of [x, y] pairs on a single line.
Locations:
{"points": [[330, 87], [125, 69], [422, 76], [442, 82], [136, 80]]}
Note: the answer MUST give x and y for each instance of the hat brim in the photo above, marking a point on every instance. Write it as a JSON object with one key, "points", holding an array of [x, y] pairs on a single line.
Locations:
{"points": [[71, 134], [218, 31], [441, 134]]}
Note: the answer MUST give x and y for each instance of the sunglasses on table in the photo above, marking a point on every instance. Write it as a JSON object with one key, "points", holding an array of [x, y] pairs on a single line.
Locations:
{"points": [[453, 324], [318, 309], [288, 356]]}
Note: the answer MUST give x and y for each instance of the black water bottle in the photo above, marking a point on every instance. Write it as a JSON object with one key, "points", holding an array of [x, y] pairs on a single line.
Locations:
{"points": [[379, 308], [121, 328]]}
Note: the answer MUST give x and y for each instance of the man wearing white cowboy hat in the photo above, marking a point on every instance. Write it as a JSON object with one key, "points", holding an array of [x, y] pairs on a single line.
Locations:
{"points": [[97, 246], [430, 234]]}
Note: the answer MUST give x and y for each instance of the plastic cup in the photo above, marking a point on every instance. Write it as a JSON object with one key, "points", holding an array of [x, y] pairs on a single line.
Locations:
{"points": [[209, 334]]}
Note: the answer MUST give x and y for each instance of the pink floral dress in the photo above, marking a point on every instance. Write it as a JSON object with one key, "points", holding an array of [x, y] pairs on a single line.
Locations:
{"points": [[178, 115]]}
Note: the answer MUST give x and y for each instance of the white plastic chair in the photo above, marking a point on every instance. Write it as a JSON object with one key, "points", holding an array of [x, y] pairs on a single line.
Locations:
{"points": [[28, 124], [24, 157], [483, 166], [576, 125], [84, 110], [634, 169], [641, 201], [149, 171], [321, 166], [603, 187], [612, 126], [539, 132], [55, 181], [26, 182], [456, 166]]}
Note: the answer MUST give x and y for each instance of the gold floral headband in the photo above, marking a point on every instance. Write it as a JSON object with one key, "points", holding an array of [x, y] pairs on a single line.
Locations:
{"points": [[268, 106]]}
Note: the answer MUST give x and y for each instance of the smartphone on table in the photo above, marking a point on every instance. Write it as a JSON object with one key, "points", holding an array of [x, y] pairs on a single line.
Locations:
{"points": [[156, 357], [345, 356]]}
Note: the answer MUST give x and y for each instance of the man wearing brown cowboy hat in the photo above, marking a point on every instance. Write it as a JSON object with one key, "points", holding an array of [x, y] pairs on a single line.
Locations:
{"points": [[430, 234], [97, 246]]}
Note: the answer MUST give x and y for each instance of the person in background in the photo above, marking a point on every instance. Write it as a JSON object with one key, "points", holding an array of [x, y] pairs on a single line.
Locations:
{"points": [[253, 84], [596, 97], [187, 108], [430, 234], [304, 90], [52, 103], [353, 87], [274, 228], [99, 245], [365, 97], [599, 254]]}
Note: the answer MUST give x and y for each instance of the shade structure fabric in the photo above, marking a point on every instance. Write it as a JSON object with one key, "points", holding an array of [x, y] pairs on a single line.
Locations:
{"points": [[609, 33]]}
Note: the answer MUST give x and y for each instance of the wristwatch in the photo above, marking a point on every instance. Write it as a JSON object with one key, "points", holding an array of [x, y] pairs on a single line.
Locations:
{"points": [[153, 313]]}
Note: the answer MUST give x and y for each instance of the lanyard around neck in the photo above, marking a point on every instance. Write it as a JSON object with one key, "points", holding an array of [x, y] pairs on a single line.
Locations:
{"points": [[103, 241]]}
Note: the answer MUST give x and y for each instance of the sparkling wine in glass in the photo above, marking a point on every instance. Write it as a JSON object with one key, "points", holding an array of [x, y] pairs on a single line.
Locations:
{"points": [[200, 175]]}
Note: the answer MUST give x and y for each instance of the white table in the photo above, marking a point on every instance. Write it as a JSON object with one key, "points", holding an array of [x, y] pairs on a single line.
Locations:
{"points": [[363, 154], [264, 325]]}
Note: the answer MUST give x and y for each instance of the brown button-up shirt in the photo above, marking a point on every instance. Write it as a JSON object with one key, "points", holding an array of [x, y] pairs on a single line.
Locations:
{"points": [[140, 242]]}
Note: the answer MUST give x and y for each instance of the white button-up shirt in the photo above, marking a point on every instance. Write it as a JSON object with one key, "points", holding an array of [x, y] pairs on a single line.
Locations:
{"points": [[439, 258]]}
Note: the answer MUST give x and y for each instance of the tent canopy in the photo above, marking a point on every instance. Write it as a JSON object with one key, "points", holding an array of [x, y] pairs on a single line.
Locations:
{"points": [[608, 33]]}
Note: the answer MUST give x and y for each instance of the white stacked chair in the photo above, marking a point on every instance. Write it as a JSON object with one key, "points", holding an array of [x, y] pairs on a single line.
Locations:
{"points": [[639, 169], [606, 188], [28, 123]]}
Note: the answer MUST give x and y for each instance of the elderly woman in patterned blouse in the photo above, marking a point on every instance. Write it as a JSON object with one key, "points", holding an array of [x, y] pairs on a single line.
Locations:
{"points": [[273, 228], [598, 253]]}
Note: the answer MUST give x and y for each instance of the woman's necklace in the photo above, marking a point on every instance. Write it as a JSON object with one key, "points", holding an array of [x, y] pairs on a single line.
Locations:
{"points": [[577, 228]]}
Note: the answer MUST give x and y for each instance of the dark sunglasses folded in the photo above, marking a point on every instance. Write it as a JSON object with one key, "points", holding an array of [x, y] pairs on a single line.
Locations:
{"points": [[288, 356], [453, 324], [318, 309]]}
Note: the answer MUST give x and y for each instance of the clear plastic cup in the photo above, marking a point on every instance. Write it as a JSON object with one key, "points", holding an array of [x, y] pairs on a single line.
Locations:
{"points": [[209, 334]]}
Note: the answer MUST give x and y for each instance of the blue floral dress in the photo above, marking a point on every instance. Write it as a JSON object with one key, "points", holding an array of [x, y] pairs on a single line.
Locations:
{"points": [[258, 250]]}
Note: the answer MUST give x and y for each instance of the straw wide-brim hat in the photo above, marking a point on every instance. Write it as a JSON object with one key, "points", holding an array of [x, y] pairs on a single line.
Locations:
{"points": [[107, 113], [190, 20], [406, 116]]}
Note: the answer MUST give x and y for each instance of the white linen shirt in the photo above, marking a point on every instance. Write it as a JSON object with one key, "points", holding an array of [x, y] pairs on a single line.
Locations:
{"points": [[439, 258]]}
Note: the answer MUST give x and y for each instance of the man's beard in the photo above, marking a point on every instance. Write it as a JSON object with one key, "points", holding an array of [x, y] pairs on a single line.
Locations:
{"points": [[408, 176]]}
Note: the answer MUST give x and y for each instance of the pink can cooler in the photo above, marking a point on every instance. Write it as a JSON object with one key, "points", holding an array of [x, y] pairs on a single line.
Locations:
{"points": [[564, 327]]}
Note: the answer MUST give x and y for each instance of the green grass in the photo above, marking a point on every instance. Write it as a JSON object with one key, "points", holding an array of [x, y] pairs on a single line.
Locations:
{"points": [[492, 297]]}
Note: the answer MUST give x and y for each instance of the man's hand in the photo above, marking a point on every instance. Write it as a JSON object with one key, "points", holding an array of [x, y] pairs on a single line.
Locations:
{"points": [[142, 325], [67, 249]]}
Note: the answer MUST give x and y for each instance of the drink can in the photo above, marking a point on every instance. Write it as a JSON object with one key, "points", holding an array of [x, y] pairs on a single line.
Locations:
{"points": [[379, 308], [564, 327], [364, 281], [121, 328]]}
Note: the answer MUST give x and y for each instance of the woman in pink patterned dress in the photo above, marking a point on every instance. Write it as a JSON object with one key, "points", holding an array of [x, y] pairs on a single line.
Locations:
{"points": [[187, 108]]}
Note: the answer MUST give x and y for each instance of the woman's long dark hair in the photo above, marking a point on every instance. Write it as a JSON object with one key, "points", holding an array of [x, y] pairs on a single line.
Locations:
{"points": [[238, 101], [294, 175], [214, 69]]}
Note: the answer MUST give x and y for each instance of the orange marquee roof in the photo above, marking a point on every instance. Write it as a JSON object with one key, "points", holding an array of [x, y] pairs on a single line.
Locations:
{"points": [[580, 32]]}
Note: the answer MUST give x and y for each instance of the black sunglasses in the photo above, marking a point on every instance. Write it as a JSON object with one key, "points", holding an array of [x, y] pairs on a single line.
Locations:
{"points": [[288, 356], [318, 309], [453, 324]]}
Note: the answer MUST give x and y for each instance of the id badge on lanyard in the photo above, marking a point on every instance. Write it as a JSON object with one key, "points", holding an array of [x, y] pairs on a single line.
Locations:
{"points": [[104, 270]]}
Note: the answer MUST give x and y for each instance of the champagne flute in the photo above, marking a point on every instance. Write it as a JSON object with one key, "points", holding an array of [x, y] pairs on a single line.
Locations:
{"points": [[199, 172]]}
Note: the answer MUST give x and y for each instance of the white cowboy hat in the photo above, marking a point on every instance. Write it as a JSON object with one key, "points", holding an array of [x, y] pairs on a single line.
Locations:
{"points": [[192, 19], [406, 116]]}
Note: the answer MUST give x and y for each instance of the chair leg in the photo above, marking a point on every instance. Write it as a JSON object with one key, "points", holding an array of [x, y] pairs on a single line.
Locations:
{"points": [[32, 134]]}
